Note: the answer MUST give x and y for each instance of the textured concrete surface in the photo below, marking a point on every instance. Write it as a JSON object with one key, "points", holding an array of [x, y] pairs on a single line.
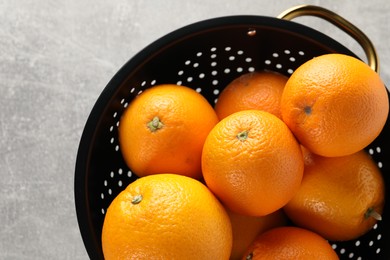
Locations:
{"points": [[55, 59]]}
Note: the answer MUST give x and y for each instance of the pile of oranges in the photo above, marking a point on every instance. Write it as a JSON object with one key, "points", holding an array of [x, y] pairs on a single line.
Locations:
{"points": [[273, 171]]}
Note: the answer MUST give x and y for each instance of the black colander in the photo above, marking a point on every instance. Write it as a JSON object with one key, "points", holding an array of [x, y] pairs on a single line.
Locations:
{"points": [[206, 56]]}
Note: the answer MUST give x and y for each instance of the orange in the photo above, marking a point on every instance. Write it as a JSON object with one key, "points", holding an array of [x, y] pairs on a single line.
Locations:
{"points": [[252, 162], [247, 228], [290, 243], [166, 216], [335, 105], [340, 198], [163, 130], [260, 90]]}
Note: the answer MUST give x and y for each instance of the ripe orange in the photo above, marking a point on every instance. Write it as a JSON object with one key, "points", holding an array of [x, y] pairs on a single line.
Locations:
{"points": [[163, 130], [290, 243], [247, 228], [255, 90], [252, 162], [340, 198], [166, 216], [335, 105]]}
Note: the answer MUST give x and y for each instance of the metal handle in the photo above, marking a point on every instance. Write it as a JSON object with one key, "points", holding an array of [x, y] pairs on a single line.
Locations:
{"points": [[340, 22]]}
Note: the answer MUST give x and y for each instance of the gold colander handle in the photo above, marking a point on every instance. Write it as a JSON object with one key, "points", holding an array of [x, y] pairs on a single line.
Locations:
{"points": [[340, 22]]}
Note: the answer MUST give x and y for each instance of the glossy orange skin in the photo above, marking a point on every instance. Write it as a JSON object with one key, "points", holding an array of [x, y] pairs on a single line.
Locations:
{"points": [[260, 90], [335, 195], [247, 228], [290, 243], [255, 176], [335, 105], [177, 218], [176, 147]]}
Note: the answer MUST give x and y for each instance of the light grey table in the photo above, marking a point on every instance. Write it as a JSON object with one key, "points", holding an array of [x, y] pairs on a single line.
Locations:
{"points": [[55, 59]]}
